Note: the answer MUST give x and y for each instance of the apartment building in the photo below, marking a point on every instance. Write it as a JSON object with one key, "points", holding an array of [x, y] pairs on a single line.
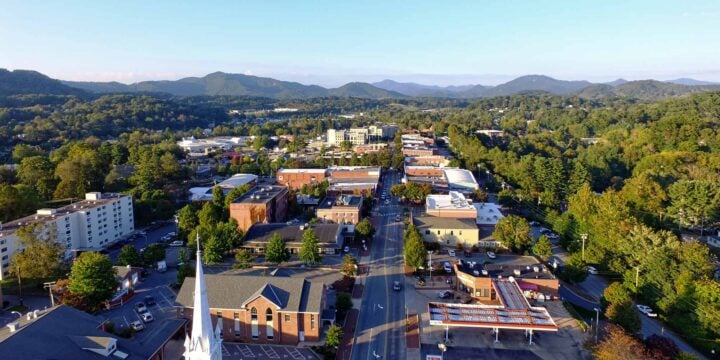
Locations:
{"points": [[261, 309], [88, 225], [262, 204], [340, 209]]}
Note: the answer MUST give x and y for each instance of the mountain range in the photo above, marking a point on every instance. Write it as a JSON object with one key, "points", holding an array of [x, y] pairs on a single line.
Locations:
{"points": [[219, 83]]}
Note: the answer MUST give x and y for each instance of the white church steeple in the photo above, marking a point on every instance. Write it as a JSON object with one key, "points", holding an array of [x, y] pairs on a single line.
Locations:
{"points": [[203, 343]]}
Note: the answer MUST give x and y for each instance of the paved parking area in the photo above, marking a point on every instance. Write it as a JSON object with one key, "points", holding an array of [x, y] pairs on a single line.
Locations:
{"points": [[236, 351]]}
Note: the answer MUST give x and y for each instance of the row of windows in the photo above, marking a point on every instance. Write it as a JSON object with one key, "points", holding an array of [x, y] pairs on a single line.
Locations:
{"points": [[452, 232], [269, 332]]}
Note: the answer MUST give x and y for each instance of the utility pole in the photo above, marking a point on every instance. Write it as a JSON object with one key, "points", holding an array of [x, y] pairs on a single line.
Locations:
{"points": [[597, 323], [49, 285], [637, 276], [584, 237]]}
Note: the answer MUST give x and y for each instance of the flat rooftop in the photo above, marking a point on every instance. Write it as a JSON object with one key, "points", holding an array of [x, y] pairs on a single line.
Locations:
{"points": [[260, 194], [452, 201], [291, 234], [348, 201], [427, 222], [503, 271]]}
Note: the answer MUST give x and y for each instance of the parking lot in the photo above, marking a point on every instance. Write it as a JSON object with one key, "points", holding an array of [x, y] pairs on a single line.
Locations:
{"points": [[256, 351]]}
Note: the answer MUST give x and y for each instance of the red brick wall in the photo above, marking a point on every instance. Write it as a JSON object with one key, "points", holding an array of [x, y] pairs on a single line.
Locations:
{"points": [[424, 172], [419, 152], [296, 180], [275, 210]]}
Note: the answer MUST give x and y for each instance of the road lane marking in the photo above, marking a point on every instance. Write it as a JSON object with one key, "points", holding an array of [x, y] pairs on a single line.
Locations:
{"points": [[246, 351]]}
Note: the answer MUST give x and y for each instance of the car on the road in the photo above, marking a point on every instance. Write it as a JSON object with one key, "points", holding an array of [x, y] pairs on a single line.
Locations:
{"points": [[177, 243], [171, 234], [141, 308], [150, 301], [165, 238], [534, 223], [147, 317], [545, 231], [646, 310], [592, 270], [447, 267], [346, 249], [445, 294], [451, 252], [552, 236], [137, 325], [396, 286], [387, 202], [491, 255], [397, 218]]}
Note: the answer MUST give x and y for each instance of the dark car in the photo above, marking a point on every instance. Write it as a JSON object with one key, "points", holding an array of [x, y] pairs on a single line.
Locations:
{"points": [[396, 286], [150, 301]]}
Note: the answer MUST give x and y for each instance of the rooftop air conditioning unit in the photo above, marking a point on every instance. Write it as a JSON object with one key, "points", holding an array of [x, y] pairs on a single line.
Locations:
{"points": [[14, 326], [517, 272], [302, 227], [476, 273], [536, 268], [484, 272]]}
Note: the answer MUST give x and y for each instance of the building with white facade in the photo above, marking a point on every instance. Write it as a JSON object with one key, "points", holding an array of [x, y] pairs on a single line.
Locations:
{"points": [[88, 225], [204, 146], [360, 136]]}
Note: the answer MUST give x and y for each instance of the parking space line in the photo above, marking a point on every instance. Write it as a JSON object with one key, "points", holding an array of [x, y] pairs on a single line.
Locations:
{"points": [[295, 353], [245, 351], [270, 352]]}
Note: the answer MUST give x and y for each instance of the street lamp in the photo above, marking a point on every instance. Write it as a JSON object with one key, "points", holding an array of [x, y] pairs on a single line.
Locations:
{"points": [[597, 323], [443, 349], [49, 285]]}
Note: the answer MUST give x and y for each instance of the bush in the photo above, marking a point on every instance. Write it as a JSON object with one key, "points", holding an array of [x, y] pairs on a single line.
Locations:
{"points": [[345, 284]]}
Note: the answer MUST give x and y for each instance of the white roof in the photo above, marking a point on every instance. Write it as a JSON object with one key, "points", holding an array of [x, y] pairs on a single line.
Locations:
{"points": [[238, 180], [298, 171], [461, 177], [488, 213], [453, 200]]}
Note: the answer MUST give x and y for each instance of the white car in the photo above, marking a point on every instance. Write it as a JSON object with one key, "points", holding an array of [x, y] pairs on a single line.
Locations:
{"points": [[171, 234], [177, 243], [490, 254], [147, 317], [646, 310], [346, 249], [592, 270], [451, 252], [447, 267], [141, 308], [534, 223], [387, 202], [137, 325]]}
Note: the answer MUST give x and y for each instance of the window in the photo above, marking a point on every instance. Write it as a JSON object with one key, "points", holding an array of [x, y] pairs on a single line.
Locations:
{"points": [[3, 249], [287, 317], [452, 232], [269, 324], [427, 232], [236, 317], [460, 232], [254, 323], [219, 322], [438, 232], [312, 321]]}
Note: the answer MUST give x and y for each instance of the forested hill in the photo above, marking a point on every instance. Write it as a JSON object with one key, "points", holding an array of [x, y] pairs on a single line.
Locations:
{"points": [[20, 82], [643, 90]]}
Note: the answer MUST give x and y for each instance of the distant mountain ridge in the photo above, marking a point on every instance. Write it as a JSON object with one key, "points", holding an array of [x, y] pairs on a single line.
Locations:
{"points": [[20, 82]]}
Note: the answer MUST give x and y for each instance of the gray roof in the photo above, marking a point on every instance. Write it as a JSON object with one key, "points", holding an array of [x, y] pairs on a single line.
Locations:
{"points": [[92, 342], [345, 201], [291, 234], [435, 222], [235, 291], [261, 194]]}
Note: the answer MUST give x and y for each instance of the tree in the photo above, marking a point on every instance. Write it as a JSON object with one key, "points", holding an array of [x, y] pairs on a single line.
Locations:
{"points": [[210, 215], [41, 257], [414, 251], [542, 247], [349, 265], [614, 293], [184, 271], [236, 193], [38, 173], [309, 250], [129, 256], [154, 253], [334, 336], [276, 251], [218, 197], [17, 201], [365, 229], [574, 270], [243, 259], [624, 314], [513, 232], [213, 250], [23, 151], [619, 345], [187, 220], [93, 277], [661, 347], [343, 302]]}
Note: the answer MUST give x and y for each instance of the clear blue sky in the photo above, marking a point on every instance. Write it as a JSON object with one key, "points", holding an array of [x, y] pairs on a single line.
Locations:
{"points": [[329, 42]]}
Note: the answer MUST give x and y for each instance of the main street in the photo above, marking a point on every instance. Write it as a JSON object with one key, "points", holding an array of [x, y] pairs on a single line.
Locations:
{"points": [[380, 331]]}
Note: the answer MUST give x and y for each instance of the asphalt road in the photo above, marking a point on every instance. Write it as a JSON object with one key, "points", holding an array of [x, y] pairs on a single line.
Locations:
{"points": [[380, 332]]}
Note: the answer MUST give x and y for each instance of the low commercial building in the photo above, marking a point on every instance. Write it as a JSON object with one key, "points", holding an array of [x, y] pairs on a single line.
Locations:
{"points": [[260, 309], [447, 231], [206, 193], [343, 179], [369, 148], [192, 145], [476, 279], [341, 209], [442, 178], [419, 150], [330, 237], [296, 178], [65, 333], [452, 205], [92, 224], [262, 204], [429, 160]]}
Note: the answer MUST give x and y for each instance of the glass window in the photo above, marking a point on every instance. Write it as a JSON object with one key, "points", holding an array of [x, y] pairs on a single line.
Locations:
{"points": [[269, 331], [254, 323]]}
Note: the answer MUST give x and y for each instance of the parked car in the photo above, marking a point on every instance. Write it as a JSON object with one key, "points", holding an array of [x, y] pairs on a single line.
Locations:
{"points": [[171, 234], [545, 231], [646, 310], [491, 255], [150, 301], [141, 308], [137, 325], [387, 202], [534, 223], [397, 218], [146, 317], [447, 267], [177, 243], [445, 294], [451, 252], [592, 270], [553, 236], [396, 286], [346, 249]]}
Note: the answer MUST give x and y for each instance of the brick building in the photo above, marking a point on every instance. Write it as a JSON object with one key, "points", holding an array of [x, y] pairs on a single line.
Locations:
{"points": [[296, 178], [477, 280], [419, 151], [343, 179], [341, 209], [262, 204], [260, 309]]}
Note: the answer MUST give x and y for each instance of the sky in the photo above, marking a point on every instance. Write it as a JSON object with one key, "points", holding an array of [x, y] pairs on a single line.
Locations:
{"points": [[333, 42]]}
